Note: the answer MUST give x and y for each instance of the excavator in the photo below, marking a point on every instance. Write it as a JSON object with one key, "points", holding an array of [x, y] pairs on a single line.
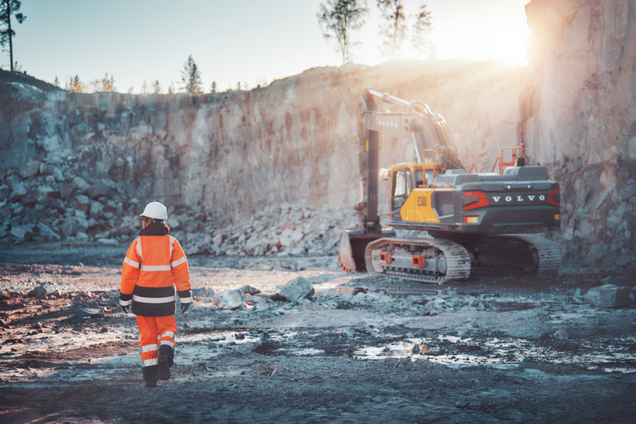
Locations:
{"points": [[454, 222]]}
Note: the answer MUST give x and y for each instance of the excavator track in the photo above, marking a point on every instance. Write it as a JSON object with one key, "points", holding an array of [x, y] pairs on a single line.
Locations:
{"points": [[456, 257], [546, 255], [548, 252]]}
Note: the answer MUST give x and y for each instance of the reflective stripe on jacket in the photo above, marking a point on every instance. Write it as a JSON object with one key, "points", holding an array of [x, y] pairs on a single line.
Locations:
{"points": [[152, 267]]}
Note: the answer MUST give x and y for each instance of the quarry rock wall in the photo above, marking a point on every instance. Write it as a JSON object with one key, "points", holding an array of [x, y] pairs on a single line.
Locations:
{"points": [[222, 158], [583, 121]]}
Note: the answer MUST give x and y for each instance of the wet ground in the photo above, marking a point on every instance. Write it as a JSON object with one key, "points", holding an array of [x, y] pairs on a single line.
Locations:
{"points": [[364, 348]]}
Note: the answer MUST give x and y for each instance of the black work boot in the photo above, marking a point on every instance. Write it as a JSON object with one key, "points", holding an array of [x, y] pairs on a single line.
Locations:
{"points": [[151, 375], [166, 359]]}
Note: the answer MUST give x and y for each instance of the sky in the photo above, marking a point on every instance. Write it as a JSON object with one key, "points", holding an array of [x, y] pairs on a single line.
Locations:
{"points": [[247, 41]]}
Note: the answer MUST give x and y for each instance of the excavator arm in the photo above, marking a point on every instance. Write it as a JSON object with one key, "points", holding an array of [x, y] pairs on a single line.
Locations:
{"points": [[414, 123]]}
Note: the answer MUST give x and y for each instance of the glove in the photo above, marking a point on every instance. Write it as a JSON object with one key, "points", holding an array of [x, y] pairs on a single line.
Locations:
{"points": [[184, 307], [125, 308]]}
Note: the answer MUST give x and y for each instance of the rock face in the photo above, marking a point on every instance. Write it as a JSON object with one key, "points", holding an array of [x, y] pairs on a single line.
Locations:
{"points": [[83, 165], [582, 121]]}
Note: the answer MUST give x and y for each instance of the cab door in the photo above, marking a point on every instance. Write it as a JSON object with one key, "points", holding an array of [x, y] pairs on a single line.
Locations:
{"points": [[401, 186]]}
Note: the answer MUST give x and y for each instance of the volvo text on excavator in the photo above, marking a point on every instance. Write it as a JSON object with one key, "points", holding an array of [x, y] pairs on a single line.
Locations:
{"points": [[470, 222]]}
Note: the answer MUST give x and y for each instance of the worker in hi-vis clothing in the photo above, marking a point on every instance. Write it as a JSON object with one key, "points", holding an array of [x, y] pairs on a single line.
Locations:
{"points": [[154, 264]]}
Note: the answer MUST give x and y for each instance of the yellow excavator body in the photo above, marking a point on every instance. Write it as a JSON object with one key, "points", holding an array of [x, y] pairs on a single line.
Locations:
{"points": [[418, 207]]}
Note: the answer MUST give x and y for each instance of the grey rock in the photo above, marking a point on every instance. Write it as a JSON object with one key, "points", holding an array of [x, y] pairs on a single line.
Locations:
{"points": [[40, 292], [231, 299], [249, 290], [561, 333], [67, 190], [19, 191], [42, 194], [22, 233], [85, 313], [81, 185], [296, 289], [57, 174], [13, 181], [608, 296], [99, 189], [4, 192], [82, 203], [28, 200], [96, 209], [47, 233], [46, 169], [31, 169], [109, 206], [203, 291]]}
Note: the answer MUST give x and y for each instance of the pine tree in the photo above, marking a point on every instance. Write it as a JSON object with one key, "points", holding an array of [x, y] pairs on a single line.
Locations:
{"points": [[422, 28], [156, 86], [74, 84], [191, 77], [171, 88], [56, 82], [144, 88], [104, 85], [9, 9], [394, 29], [213, 87], [339, 19]]}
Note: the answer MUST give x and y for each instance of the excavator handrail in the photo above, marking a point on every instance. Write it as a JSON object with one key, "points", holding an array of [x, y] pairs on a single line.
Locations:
{"points": [[388, 98]]}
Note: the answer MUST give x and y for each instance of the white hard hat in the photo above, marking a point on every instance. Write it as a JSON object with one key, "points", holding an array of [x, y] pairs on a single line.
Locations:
{"points": [[155, 210]]}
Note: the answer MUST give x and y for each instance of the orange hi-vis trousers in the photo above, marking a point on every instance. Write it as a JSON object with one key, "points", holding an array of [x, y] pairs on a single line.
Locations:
{"points": [[155, 331]]}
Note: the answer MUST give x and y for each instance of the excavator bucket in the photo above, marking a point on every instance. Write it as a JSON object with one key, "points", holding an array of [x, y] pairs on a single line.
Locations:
{"points": [[353, 245]]}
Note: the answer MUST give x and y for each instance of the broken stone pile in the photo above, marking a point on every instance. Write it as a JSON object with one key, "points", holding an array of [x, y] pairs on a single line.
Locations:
{"points": [[44, 202], [281, 231]]}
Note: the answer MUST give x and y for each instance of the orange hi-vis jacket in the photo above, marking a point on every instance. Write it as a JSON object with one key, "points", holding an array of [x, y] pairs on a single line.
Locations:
{"points": [[154, 264]]}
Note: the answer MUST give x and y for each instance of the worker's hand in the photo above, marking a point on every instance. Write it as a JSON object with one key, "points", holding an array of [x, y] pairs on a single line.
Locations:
{"points": [[184, 307], [125, 308]]}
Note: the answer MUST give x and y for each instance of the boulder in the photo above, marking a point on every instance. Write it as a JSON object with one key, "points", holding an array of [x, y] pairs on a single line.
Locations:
{"points": [[81, 185], [85, 313], [42, 194], [67, 190], [296, 289], [96, 209], [4, 192], [99, 189], [74, 225], [29, 170], [607, 296], [82, 203], [230, 299], [109, 206], [13, 181], [47, 233], [28, 200], [172, 222], [40, 292], [22, 233], [249, 290], [18, 192], [46, 169]]}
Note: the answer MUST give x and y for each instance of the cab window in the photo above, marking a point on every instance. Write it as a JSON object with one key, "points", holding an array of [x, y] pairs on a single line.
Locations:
{"points": [[401, 188]]}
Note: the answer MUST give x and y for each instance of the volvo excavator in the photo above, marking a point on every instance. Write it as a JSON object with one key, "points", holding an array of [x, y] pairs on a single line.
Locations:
{"points": [[459, 222]]}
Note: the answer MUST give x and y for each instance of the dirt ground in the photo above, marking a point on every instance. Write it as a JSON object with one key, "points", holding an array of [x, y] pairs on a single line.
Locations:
{"points": [[492, 349]]}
